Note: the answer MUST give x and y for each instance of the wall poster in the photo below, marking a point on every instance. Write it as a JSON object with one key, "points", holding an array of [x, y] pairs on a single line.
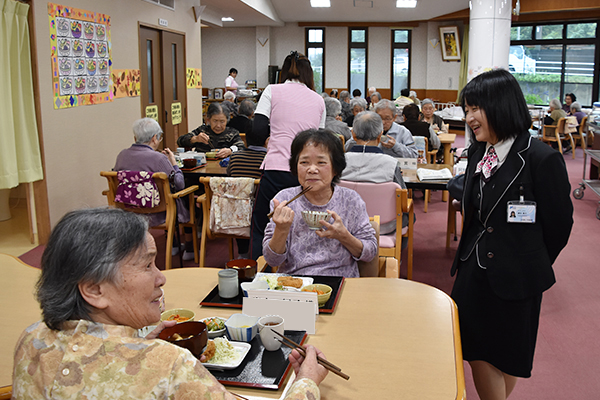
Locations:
{"points": [[80, 56]]}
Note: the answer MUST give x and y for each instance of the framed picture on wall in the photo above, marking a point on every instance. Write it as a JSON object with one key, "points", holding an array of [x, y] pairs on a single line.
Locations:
{"points": [[450, 43]]}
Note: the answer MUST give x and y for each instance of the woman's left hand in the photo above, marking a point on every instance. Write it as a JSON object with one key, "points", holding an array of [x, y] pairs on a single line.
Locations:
{"points": [[223, 153], [338, 231], [159, 328]]}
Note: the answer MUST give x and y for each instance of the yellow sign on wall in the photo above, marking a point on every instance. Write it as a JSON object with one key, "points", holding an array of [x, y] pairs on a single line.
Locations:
{"points": [[175, 113], [152, 112]]}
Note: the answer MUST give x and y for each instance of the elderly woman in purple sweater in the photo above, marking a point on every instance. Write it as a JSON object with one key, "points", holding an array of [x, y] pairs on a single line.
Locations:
{"points": [[318, 160]]}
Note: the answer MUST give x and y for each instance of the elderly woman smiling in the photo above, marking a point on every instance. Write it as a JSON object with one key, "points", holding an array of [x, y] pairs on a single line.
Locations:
{"points": [[318, 161], [99, 284]]}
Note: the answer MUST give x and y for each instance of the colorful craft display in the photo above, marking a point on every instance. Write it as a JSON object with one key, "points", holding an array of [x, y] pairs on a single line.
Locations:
{"points": [[80, 56], [194, 78]]}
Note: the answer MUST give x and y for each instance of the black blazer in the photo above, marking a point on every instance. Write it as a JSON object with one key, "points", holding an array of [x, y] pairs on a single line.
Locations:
{"points": [[518, 257]]}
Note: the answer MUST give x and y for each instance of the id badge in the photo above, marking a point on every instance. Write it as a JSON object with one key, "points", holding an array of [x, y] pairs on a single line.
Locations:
{"points": [[522, 212]]}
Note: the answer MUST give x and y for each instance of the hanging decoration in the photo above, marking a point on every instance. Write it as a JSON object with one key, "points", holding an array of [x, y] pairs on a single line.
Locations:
{"points": [[80, 51]]}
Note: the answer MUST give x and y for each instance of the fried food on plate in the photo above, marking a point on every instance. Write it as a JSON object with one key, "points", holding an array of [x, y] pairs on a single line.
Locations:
{"points": [[210, 351], [290, 281]]}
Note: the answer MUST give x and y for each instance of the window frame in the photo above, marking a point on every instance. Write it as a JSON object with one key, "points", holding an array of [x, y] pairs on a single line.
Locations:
{"points": [[394, 45], [321, 45], [564, 42], [357, 45]]}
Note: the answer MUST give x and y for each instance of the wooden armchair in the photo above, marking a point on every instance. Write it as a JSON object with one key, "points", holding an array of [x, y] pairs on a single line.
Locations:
{"points": [[167, 204], [581, 134], [556, 133], [207, 234], [389, 201]]}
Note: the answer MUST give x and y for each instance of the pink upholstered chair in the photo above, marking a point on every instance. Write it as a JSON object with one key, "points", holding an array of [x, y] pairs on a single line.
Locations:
{"points": [[389, 201]]}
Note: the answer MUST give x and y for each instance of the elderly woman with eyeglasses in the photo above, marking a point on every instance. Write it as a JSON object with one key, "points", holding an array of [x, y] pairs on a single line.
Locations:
{"points": [[98, 286]]}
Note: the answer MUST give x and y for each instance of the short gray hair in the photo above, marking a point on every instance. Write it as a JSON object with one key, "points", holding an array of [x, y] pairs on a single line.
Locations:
{"points": [[427, 101], [576, 106], [344, 94], [375, 94], [385, 104], [367, 125], [85, 246], [145, 129], [333, 107], [229, 95], [357, 101], [555, 103], [247, 107]]}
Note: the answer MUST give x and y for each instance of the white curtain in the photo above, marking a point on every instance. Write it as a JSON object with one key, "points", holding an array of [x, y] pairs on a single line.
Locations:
{"points": [[20, 159]]}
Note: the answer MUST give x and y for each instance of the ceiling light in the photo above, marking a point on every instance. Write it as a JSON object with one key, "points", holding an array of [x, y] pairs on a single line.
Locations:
{"points": [[406, 3], [227, 19], [320, 3]]}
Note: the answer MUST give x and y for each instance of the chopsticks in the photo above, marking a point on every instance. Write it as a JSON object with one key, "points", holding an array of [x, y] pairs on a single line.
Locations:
{"points": [[306, 189], [328, 365], [238, 396]]}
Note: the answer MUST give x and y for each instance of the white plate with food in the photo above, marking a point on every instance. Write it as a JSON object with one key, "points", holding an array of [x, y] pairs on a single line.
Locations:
{"points": [[215, 326], [284, 281], [225, 354]]}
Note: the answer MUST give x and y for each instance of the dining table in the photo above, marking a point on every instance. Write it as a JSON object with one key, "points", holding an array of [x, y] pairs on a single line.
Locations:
{"points": [[394, 338], [211, 168]]}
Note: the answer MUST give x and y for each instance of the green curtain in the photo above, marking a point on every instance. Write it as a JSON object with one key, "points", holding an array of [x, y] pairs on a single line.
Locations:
{"points": [[464, 62], [20, 159]]}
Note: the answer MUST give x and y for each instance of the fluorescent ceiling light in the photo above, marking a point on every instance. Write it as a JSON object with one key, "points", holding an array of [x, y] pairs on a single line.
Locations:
{"points": [[406, 3], [320, 3], [227, 19]]}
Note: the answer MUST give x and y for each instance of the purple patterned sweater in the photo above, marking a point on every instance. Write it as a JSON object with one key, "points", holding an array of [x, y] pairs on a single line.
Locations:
{"points": [[308, 254]]}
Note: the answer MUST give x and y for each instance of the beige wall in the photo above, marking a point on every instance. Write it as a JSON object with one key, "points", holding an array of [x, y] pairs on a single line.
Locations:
{"points": [[80, 142]]}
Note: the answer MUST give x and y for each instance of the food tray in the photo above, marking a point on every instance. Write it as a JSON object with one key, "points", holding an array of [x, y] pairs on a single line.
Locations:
{"points": [[193, 168], [336, 282], [261, 369]]}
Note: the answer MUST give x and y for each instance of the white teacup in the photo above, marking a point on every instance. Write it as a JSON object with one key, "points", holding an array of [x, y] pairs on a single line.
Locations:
{"points": [[266, 326]]}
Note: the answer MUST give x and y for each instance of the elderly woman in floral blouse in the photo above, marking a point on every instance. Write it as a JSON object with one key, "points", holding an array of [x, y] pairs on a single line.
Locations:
{"points": [[99, 285]]}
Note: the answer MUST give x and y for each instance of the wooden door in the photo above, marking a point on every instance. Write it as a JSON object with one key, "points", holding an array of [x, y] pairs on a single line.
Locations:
{"points": [[163, 85], [174, 87]]}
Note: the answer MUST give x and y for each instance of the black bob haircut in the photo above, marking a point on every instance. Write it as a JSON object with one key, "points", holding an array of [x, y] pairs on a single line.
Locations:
{"points": [[325, 139], [499, 95]]}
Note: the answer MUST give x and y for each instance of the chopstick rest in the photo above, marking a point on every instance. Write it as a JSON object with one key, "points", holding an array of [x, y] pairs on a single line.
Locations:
{"points": [[270, 215]]}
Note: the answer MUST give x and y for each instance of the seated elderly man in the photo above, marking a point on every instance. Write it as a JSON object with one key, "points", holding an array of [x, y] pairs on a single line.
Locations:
{"points": [[346, 110], [396, 141], [333, 120], [357, 105], [365, 161], [243, 121], [99, 285], [143, 156], [228, 103], [419, 128]]}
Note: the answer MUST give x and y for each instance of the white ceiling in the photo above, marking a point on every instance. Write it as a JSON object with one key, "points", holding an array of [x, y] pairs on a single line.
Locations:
{"points": [[276, 12]]}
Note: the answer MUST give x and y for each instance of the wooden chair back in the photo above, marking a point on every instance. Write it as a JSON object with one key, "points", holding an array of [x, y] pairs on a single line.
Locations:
{"points": [[167, 204], [205, 200], [389, 201]]}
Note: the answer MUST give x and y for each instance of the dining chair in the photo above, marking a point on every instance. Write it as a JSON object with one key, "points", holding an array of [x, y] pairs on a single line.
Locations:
{"points": [[5, 392], [556, 133], [208, 213], [581, 134], [243, 137], [167, 204], [389, 201]]}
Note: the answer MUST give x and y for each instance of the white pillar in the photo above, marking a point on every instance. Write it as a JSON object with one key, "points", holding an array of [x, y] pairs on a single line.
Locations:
{"points": [[489, 36], [263, 55]]}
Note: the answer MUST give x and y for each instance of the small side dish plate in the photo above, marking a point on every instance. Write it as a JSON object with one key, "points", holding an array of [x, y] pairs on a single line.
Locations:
{"points": [[241, 348]]}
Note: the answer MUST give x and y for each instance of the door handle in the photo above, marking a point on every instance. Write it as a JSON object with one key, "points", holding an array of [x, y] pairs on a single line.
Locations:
{"points": [[166, 117]]}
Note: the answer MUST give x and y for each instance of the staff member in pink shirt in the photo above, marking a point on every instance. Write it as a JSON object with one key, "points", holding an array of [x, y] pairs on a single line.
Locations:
{"points": [[285, 109]]}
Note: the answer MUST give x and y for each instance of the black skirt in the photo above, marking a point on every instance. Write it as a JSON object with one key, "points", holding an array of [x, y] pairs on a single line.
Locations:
{"points": [[500, 332]]}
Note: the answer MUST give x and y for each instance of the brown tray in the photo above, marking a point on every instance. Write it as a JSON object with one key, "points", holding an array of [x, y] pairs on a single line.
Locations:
{"points": [[261, 369], [336, 282], [193, 168]]}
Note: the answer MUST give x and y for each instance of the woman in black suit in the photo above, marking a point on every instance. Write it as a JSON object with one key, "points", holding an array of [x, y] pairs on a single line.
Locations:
{"points": [[517, 218]]}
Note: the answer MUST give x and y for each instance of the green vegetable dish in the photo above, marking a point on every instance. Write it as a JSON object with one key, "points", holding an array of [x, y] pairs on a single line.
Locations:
{"points": [[214, 324]]}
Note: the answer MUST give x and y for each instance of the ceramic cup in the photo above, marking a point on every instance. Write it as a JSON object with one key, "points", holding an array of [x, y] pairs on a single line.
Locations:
{"points": [[266, 325], [228, 283]]}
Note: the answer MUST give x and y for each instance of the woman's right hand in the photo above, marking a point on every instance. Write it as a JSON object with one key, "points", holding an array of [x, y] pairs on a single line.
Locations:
{"points": [[283, 216], [308, 367], [200, 138]]}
